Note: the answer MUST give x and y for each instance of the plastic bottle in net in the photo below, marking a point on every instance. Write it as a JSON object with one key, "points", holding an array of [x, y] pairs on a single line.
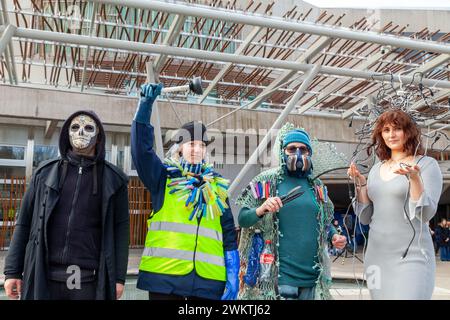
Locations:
{"points": [[251, 276], [266, 261]]}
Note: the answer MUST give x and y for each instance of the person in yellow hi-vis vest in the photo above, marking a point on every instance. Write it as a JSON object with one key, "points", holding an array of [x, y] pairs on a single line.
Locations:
{"points": [[191, 247]]}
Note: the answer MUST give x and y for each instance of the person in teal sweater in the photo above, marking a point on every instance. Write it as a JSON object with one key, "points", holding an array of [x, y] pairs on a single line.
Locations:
{"points": [[303, 225]]}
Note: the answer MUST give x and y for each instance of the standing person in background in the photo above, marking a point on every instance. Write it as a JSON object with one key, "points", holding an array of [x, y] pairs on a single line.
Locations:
{"points": [[335, 251], [443, 239]]}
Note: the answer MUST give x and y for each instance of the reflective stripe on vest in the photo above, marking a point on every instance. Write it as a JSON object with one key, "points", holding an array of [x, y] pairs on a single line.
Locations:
{"points": [[185, 228], [173, 242], [183, 255]]}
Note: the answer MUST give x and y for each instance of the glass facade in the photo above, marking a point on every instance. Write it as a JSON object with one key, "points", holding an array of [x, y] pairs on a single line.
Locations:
{"points": [[43, 153], [12, 152]]}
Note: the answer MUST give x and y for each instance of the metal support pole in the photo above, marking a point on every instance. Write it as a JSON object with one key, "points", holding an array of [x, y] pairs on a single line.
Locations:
{"points": [[10, 50], [29, 158], [282, 24], [174, 32], [88, 49], [5, 39], [305, 57], [155, 119], [277, 125], [244, 45]]}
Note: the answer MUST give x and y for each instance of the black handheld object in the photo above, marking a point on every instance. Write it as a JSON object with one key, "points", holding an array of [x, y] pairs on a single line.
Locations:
{"points": [[291, 195], [404, 165]]}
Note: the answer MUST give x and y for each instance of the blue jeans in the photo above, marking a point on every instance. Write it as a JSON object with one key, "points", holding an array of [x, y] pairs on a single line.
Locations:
{"points": [[445, 253], [296, 293]]}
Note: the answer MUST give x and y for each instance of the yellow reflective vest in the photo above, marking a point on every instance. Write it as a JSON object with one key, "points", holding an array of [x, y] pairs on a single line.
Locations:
{"points": [[176, 245]]}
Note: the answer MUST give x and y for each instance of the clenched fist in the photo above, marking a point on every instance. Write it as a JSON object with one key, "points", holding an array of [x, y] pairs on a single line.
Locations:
{"points": [[270, 205], [339, 242], [13, 287]]}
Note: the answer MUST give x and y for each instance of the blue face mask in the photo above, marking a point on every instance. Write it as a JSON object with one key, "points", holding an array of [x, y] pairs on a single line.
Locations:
{"points": [[298, 164]]}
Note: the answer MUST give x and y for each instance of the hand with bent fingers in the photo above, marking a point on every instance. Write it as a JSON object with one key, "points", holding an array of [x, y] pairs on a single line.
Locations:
{"points": [[339, 241], [149, 93], [412, 171], [354, 173], [13, 287]]}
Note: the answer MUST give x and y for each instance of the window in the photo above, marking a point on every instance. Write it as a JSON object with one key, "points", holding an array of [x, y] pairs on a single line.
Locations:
{"points": [[12, 152], [108, 155], [120, 159], [8, 172], [43, 153]]}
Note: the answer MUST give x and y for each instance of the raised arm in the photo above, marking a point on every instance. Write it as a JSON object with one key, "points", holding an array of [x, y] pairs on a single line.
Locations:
{"points": [[148, 165]]}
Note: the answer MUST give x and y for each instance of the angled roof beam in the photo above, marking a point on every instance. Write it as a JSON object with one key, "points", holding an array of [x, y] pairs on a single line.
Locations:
{"points": [[442, 94], [9, 51], [244, 45], [305, 57], [339, 83], [88, 49], [6, 37], [309, 77], [283, 24], [424, 69], [432, 64], [5, 40], [347, 113], [174, 31], [50, 128]]}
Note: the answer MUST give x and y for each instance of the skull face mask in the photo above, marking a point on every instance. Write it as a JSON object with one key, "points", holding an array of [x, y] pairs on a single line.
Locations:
{"points": [[82, 132]]}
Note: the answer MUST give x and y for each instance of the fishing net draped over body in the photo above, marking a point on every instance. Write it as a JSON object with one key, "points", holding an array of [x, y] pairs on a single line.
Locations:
{"points": [[325, 158]]}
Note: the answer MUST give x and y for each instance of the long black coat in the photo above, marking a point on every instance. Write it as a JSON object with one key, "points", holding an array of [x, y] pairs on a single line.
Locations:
{"points": [[27, 253]]}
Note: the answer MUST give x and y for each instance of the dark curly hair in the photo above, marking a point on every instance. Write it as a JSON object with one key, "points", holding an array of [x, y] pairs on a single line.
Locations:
{"points": [[409, 127]]}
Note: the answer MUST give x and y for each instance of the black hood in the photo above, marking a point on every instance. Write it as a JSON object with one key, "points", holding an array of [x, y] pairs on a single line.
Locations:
{"points": [[64, 141]]}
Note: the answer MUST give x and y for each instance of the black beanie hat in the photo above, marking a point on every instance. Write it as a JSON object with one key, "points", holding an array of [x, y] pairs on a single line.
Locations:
{"points": [[194, 130]]}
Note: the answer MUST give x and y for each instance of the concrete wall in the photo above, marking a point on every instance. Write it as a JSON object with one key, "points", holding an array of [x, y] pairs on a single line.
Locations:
{"points": [[34, 106]]}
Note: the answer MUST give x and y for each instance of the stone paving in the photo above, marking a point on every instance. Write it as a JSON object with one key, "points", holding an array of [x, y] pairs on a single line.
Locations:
{"points": [[347, 279]]}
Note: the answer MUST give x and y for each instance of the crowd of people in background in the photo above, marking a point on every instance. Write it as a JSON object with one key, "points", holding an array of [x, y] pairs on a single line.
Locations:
{"points": [[441, 237]]}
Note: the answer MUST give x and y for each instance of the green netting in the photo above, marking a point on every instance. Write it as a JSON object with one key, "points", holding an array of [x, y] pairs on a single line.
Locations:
{"points": [[325, 158]]}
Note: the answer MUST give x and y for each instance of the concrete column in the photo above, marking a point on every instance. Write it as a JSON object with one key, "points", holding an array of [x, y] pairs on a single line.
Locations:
{"points": [[29, 152], [127, 159], [114, 154]]}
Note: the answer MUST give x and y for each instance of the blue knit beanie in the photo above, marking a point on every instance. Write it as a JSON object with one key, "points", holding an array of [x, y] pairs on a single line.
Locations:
{"points": [[298, 135]]}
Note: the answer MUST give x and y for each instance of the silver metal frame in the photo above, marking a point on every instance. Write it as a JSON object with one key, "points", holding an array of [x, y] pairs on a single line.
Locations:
{"points": [[283, 24], [309, 77], [214, 56]]}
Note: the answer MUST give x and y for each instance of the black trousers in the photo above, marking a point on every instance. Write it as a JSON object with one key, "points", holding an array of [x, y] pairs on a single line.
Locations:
{"points": [[163, 296], [59, 291]]}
